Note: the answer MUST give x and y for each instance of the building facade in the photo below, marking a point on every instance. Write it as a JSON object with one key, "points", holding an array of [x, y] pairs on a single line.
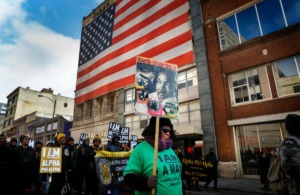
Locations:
{"points": [[253, 56], [24, 101], [234, 94], [2, 114]]}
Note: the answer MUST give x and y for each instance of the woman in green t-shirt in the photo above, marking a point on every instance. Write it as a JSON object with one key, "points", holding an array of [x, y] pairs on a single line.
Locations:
{"points": [[138, 172]]}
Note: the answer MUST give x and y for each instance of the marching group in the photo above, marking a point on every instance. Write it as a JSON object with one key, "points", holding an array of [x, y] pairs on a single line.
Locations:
{"points": [[19, 165]]}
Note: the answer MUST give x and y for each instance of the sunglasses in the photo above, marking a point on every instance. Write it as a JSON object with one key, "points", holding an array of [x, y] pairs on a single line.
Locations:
{"points": [[166, 130]]}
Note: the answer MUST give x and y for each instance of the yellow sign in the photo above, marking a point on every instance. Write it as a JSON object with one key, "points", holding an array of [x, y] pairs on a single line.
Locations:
{"points": [[51, 160]]}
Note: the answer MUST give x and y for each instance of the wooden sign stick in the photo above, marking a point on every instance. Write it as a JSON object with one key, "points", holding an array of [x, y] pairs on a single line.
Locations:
{"points": [[155, 149]]}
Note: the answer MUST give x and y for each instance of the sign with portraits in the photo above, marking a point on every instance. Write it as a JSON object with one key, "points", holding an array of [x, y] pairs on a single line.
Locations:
{"points": [[156, 88]]}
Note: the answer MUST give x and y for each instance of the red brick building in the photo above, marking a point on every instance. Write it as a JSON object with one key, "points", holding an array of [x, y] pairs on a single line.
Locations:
{"points": [[253, 52]]}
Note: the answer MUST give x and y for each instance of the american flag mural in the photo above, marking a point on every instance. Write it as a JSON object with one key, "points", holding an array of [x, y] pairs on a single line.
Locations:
{"points": [[157, 29]]}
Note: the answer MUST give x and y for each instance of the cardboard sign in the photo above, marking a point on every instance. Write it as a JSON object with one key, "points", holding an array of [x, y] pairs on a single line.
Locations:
{"points": [[51, 160]]}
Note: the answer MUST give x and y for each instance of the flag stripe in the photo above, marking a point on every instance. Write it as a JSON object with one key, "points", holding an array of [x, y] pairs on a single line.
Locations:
{"points": [[96, 68], [149, 28], [130, 62], [131, 70], [85, 69]]}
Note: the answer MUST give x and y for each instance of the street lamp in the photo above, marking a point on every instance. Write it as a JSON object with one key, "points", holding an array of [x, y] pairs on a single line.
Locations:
{"points": [[54, 105]]}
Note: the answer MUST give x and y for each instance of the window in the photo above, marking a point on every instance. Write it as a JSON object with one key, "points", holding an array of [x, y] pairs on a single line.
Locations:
{"points": [[265, 17], [79, 111], [100, 102], [249, 85], [112, 103], [90, 108], [286, 74], [187, 78], [130, 96]]}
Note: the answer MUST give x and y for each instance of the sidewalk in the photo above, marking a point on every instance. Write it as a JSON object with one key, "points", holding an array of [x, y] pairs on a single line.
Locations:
{"points": [[250, 185]]}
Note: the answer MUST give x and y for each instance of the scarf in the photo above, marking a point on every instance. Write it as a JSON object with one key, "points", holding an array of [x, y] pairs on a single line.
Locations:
{"points": [[162, 145]]}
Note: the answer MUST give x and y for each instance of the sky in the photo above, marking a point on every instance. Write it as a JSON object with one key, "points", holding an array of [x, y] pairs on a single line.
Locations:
{"points": [[39, 44]]}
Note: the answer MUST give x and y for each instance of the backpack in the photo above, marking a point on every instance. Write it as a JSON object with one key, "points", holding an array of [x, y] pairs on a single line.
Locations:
{"points": [[276, 178]]}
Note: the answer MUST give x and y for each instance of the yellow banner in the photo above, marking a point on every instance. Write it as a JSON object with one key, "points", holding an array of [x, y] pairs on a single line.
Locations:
{"points": [[103, 153]]}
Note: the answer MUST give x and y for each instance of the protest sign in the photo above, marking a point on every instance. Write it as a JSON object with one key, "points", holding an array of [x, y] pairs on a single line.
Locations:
{"points": [[124, 135], [50, 160], [134, 139], [82, 137], [103, 136], [196, 169], [156, 88], [110, 167], [113, 128]]}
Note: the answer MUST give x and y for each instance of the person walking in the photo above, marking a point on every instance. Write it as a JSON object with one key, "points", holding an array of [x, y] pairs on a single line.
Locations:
{"points": [[91, 183], [5, 154], [22, 161], [213, 173], [138, 172], [290, 154], [59, 179], [114, 146], [80, 175], [37, 178]]}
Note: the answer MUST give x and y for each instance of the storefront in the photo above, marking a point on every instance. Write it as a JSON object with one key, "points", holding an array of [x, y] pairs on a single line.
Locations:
{"points": [[254, 140]]}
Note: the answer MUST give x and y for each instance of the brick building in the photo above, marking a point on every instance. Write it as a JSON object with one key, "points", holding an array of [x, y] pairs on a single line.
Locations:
{"points": [[254, 60]]}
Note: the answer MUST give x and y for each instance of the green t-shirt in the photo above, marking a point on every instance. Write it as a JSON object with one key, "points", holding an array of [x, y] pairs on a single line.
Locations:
{"points": [[168, 168]]}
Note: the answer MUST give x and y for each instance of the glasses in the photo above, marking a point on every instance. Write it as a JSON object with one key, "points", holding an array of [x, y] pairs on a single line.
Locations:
{"points": [[166, 131]]}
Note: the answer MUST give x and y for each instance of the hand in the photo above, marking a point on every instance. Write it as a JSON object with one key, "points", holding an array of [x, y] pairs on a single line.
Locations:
{"points": [[152, 181]]}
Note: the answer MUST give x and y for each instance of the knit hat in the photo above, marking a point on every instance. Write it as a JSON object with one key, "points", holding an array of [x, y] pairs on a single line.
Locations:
{"points": [[13, 140], [60, 135], [292, 123], [22, 137], [115, 135], [49, 142], [96, 138], [38, 142], [70, 139], [162, 122]]}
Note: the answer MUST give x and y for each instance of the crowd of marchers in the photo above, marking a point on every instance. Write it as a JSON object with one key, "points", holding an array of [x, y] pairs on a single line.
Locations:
{"points": [[20, 166]]}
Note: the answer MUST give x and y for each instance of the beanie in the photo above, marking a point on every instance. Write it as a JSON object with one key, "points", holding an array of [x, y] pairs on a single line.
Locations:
{"points": [[96, 138], [49, 142], [60, 135], [70, 139], [292, 123], [115, 135], [38, 142], [162, 122], [22, 137]]}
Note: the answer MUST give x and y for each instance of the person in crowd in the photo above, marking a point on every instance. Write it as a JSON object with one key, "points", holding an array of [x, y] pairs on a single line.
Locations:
{"points": [[5, 154], [47, 175], [264, 164], [127, 146], [114, 146], [13, 143], [290, 154], [91, 182], [213, 173], [80, 175], [74, 162], [59, 179], [138, 172], [192, 155], [22, 161], [37, 178]]}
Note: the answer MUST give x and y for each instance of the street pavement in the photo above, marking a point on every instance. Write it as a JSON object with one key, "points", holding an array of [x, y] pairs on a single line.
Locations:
{"points": [[225, 186]]}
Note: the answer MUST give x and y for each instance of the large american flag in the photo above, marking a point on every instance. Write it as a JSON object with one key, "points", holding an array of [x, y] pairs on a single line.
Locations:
{"points": [[156, 29]]}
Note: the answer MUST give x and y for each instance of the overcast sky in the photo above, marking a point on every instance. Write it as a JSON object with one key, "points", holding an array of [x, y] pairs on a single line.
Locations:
{"points": [[39, 44]]}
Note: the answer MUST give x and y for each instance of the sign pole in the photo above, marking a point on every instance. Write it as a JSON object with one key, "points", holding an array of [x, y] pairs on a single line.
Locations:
{"points": [[155, 149]]}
